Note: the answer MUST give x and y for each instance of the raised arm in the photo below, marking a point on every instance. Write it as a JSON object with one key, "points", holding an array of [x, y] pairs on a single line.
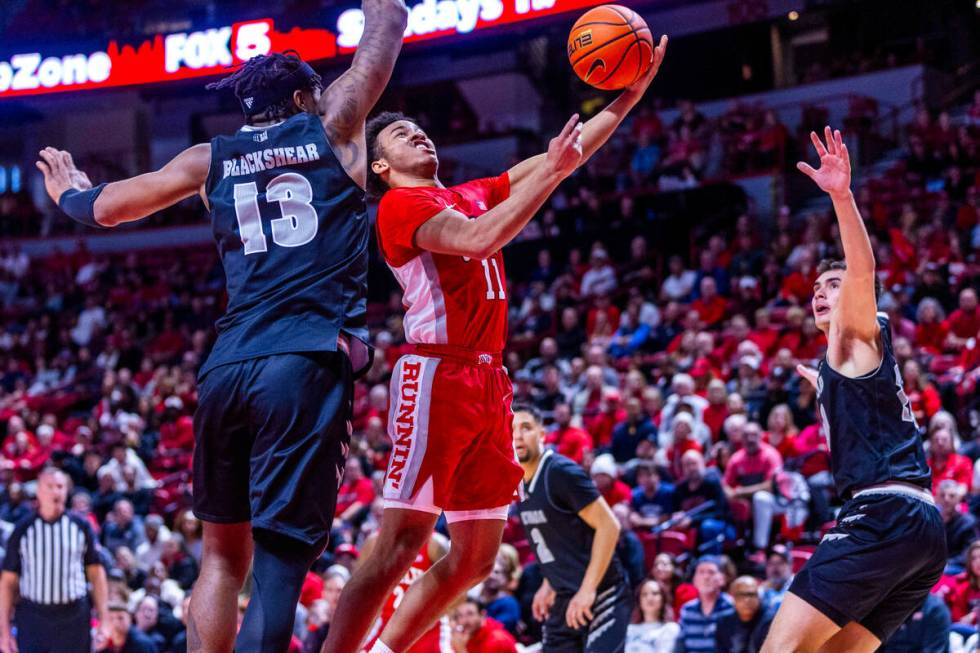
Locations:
{"points": [[451, 232], [345, 104], [603, 125], [856, 311], [131, 199]]}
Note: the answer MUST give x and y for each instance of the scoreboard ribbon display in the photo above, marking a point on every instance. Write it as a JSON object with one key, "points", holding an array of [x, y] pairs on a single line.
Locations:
{"points": [[183, 55]]}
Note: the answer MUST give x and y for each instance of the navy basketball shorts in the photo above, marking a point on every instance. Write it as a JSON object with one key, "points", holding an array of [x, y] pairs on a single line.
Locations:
{"points": [[606, 633], [271, 441], [877, 565]]}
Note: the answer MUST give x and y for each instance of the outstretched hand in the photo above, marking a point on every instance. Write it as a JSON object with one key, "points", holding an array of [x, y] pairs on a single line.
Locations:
{"points": [[641, 85], [565, 150], [60, 173], [834, 175]]}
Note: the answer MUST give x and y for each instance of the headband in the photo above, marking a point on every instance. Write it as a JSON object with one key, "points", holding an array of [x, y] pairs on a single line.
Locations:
{"points": [[275, 91]]}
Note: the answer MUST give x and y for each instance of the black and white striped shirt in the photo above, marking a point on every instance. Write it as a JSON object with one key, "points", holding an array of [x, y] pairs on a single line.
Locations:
{"points": [[50, 558]]}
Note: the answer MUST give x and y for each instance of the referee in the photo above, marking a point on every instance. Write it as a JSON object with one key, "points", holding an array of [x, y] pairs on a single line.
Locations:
{"points": [[584, 601], [51, 558]]}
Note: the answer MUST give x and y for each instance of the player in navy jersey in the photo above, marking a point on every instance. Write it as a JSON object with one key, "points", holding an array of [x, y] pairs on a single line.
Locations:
{"points": [[876, 567], [585, 602], [287, 209]]}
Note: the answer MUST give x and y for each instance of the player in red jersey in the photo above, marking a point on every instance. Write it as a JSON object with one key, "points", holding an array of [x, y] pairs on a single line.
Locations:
{"points": [[435, 640], [450, 419]]}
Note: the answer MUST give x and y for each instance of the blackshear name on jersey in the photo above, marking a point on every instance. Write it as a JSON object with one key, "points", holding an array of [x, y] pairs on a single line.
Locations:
{"points": [[269, 158]]}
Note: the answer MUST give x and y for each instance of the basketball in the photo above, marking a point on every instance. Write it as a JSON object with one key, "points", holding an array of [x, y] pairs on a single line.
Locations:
{"points": [[610, 47]]}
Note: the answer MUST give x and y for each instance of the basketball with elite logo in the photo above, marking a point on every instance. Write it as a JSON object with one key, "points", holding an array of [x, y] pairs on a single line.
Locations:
{"points": [[610, 47]]}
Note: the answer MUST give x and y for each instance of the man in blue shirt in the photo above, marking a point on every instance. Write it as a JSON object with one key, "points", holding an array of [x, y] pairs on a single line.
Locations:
{"points": [[699, 618], [630, 432], [653, 499]]}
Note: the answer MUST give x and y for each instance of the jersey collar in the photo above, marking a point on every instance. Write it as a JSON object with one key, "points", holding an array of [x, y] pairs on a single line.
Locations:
{"points": [[537, 472]]}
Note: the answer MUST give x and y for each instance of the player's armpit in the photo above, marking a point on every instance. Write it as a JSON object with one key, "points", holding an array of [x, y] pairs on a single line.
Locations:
{"points": [[451, 232], [137, 197]]}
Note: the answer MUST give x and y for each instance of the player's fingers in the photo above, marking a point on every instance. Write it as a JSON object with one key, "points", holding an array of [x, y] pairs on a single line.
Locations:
{"points": [[828, 137], [587, 614], [43, 167], [845, 155], [806, 169], [821, 150], [54, 164], [569, 126]]}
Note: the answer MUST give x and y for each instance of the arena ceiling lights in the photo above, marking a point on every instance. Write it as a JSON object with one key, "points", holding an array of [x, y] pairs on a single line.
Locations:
{"points": [[184, 55]]}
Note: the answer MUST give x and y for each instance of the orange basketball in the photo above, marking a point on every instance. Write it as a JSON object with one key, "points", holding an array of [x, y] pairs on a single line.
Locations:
{"points": [[610, 47]]}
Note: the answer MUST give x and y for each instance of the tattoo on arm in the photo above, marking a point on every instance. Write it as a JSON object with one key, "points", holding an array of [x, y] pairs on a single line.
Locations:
{"points": [[351, 97]]}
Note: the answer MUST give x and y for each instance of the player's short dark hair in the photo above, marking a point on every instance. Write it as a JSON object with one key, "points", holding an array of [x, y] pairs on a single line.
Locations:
{"points": [[828, 264], [262, 72], [530, 410], [376, 186]]}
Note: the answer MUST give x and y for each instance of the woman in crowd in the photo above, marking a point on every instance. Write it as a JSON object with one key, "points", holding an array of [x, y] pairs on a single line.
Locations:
{"points": [[653, 629], [665, 572]]}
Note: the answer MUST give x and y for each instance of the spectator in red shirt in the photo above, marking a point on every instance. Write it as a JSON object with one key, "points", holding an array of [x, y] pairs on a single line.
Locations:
{"points": [[682, 438], [570, 441], [964, 322], [792, 334], [604, 474], [475, 632], [356, 494], [946, 463], [782, 432], [931, 329], [764, 334], [752, 467], [965, 597], [716, 411], [711, 306], [923, 395]]}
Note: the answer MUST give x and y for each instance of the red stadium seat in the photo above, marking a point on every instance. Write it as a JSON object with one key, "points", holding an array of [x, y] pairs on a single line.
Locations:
{"points": [[673, 542], [650, 548]]}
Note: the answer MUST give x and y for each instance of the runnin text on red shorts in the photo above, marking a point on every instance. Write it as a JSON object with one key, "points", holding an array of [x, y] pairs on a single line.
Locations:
{"points": [[450, 418]]}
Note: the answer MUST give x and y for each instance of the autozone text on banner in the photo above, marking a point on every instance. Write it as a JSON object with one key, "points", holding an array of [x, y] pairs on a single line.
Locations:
{"points": [[184, 55]]}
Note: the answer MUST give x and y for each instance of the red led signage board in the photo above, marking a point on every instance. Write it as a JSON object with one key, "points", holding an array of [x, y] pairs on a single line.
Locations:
{"points": [[184, 55]]}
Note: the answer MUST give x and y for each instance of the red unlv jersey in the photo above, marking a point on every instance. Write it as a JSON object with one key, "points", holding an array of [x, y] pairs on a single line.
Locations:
{"points": [[437, 638], [449, 300]]}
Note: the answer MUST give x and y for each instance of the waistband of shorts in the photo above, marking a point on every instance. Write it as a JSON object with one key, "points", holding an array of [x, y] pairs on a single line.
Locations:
{"points": [[903, 489], [461, 355]]}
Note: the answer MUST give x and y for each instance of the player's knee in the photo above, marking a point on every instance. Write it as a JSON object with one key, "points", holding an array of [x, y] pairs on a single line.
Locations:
{"points": [[469, 566], [227, 562]]}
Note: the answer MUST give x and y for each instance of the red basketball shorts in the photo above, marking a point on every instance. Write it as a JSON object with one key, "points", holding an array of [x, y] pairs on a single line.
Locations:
{"points": [[450, 426]]}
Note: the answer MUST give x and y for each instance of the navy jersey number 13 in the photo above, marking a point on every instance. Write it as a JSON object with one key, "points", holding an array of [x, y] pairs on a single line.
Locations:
{"points": [[274, 192]]}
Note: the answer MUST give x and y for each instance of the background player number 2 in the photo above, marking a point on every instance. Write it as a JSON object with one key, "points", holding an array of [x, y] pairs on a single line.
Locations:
{"points": [[544, 554], [298, 224]]}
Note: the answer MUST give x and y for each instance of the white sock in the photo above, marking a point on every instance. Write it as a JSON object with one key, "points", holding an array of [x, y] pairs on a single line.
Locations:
{"points": [[380, 647]]}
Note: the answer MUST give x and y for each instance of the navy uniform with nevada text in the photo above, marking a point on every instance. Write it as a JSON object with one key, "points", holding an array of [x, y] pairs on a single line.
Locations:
{"points": [[888, 550], [563, 546], [275, 393]]}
